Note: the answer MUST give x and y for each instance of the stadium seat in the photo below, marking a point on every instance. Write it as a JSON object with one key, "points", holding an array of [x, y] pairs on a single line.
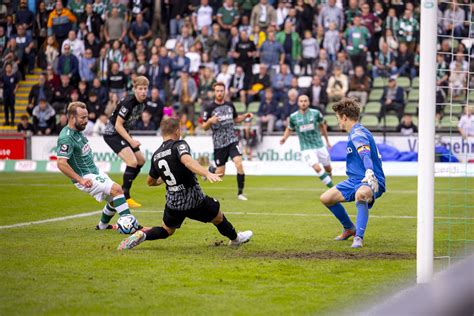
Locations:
{"points": [[375, 95], [170, 44], [456, 109], [403, 82], [372, 107], [449, 121], [240, 107], [370, 121], [276, 69], [331, 120], [391, 121], [253, 107], [415, 120], [197, 108], [415, 82], [379, 82], [411, 108], [414, 95], [304, 82]]}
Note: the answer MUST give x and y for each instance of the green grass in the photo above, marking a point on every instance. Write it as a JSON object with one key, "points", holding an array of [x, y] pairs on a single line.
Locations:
{"points": [[291, 266]]}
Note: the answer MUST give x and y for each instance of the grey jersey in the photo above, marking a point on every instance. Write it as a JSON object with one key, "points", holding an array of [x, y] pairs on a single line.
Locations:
{"points": [[182, 188], [223, 133], [130, 110]]}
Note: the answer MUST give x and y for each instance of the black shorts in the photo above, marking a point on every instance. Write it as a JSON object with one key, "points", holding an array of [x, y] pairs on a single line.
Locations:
{"points": [[117, 143], [221, 155], [205, 212]]}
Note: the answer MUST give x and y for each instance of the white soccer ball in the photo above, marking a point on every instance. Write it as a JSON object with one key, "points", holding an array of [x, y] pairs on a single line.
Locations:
{"points": [[127, 224]]}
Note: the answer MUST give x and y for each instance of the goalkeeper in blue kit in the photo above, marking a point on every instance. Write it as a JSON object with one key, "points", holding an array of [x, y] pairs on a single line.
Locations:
{"points": [[366, 180]]}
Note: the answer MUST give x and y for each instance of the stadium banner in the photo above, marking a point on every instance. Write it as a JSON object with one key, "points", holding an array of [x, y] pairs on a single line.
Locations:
{"points": [[12, 148]]}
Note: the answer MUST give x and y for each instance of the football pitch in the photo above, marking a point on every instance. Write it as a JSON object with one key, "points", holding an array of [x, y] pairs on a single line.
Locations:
{"points": [[291, 266]]}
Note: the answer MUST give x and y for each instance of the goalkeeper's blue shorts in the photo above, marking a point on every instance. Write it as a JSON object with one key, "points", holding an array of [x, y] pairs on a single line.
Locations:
{"points": [[349, 187]]}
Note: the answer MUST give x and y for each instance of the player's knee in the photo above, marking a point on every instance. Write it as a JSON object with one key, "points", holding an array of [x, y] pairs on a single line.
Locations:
{"points": [[140, 161], [218, 219], [132, 163], [325, 199], [363, 195], [116, 190], [169, 230]]}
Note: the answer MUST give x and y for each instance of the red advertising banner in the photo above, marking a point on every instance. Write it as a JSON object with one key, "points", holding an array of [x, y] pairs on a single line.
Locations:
{"points": [[12, 148]]}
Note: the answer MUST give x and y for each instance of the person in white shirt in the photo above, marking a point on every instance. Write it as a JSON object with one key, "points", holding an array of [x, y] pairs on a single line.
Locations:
{"points": [[76, 45], [202, 16], [466, 123]]}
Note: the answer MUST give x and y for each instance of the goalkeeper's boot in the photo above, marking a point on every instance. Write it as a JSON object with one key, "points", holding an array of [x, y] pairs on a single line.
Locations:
{"points": [[132, 241], [346, 234], [132, 203], [242, 238], [109, 226], [358, 242]]}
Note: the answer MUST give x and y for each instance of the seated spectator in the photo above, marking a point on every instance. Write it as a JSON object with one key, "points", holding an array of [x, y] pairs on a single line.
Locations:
{"points": [[281, 83], [76, 46], [87, 66], [344, 63], [99, 125], [332, 41], [155, 106], [92, 43], [317, 95], [405, 62], [385, 63], [100, 91], [180, 62], [140, 30], [40, 90], [185, 93], [323, 61], [389, 39], [459, 58], [406, 126], [289, 107], [454, 18], [185, 39], [83, 91], [48, 53], [62, 95], [25, 126], [310, 51], [224, 76], [206, 81], [238, 86], [94, 108], [146, 123], [44, 118], [258, 84], [61, 124], [393, 99], [359, 86], [338, 85], [466, 123], [268, 112], [218, 44], [458, 82]]}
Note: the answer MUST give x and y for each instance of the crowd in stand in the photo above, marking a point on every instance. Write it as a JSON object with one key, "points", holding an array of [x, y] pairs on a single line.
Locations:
{"points": [[266, 51]]}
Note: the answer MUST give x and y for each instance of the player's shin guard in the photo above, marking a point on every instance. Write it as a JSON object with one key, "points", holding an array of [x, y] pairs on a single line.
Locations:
{"points": [[121, 205], [325, 178], [107, 213], [362, 217], [240, 182], [128, 176], [156, 232], [226, 229], [339, 211]]}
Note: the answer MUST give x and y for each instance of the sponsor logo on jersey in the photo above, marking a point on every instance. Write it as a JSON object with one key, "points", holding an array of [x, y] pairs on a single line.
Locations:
{"points": [[306, 127], [86, 149]]}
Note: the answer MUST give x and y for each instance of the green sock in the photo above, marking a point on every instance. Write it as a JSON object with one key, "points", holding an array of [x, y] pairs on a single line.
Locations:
{"points": [[326, 179], [107, 213], [121, 205]]}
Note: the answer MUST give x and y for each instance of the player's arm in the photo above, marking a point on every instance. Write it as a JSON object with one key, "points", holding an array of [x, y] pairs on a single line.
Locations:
{"points": [[363, 150], [240, 118], [195, 167], [324, 131], [66, 169], [120, 128], [286, 134], [211, 121], [152, 182]]}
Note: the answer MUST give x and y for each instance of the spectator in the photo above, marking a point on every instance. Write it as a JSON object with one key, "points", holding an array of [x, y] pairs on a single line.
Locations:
{"points": [[454, 18], [25, 126], [338, 85], [52, 79], [76, 45], [263, 15], [176, 16], [92, 44], [356, 39], [120, 7], [459, 58], [41, 90], [281, 14], [155, 73], [389, 39], [369, 20], [310, 51], [87, 66], [393, 99], [323, 75], [332, 42], [405, 62], [239, 85], [99, 125], [258, 37], [44, 118], [268, 112], [77, 7], [227, 16], [60, 125], [317, 94], [458, 82], [100, 91], [359, 86], [408, 28], [62, 95], [245, 25], [466, 123], [323, 61], [68, 65], [140, 30], [202, 16], [281, 83], [385, 64], [117, 81], [224, 76], [94, 107], [290, 106], [155, 106], [115, 27], [218, 45], [291, 43], [259, 83], [92, 20], [41, 24], [26, 53], [83, 92], [391, 21], [115, 54], [180, 62], [344, 63], [60, 22], [206, 81], [304, 14], [272, 52], [406, 126], [10, 82], [185, 39], [25, 18], [331, 13], [244, 55], [111, 104], [194, 59], [146, 124], [351, 11], [185, 92], [295, 24]]}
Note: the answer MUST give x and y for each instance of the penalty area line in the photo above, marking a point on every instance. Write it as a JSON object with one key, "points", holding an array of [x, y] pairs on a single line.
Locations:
{"points": [[50, 220]]}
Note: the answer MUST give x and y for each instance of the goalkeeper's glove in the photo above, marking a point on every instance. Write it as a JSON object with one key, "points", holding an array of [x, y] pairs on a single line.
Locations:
{"points": [[371, 180]]}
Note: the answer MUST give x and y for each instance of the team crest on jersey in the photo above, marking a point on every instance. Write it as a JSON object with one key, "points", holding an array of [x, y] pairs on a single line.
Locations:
{"points": [[86, 149], [64, 149], [182, 149], [123, 111], [349, 150]]}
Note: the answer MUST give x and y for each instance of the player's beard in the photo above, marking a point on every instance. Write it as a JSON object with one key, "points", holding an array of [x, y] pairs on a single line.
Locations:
{"points": [[219, 99], [80, 127]]}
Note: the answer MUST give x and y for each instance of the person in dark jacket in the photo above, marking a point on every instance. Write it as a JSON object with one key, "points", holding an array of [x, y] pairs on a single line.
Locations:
{"points": [[40, 90], [268, 111], [393, 99]]}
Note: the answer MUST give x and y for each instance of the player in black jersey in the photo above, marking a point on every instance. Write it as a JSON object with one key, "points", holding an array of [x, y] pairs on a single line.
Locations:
{"points": [[173, 165], [116, 134], [221, 116]]}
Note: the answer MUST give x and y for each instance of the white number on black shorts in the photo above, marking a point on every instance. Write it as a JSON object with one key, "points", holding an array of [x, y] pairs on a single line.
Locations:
{"points": [[163, 164]]}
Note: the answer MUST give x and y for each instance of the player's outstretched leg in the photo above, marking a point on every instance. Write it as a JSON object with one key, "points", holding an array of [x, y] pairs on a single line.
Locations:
{"points": [[332, 199], [225, 228], [107, 213], [157, 232], [363, 197], [134, 162]]}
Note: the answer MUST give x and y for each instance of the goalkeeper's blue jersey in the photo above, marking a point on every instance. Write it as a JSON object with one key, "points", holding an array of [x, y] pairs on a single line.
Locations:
{"points": [[360, 138]]}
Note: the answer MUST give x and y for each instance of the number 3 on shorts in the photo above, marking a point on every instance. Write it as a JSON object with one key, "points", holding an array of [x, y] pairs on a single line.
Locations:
{"points": [[100, 179]]}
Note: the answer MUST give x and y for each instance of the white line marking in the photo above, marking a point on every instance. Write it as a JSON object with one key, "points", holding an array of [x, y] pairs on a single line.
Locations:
{"points": [[50, 220]]}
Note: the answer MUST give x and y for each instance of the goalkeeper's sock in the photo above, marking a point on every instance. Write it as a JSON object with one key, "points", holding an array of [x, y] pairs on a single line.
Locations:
{"points": [[341, 214], [107, 213], [120, 204], [362, 217], [156, 232]]}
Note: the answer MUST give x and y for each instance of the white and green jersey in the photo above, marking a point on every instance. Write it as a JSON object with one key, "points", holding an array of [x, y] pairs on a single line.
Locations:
{"points": [[307, 128], [73, 146]]}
